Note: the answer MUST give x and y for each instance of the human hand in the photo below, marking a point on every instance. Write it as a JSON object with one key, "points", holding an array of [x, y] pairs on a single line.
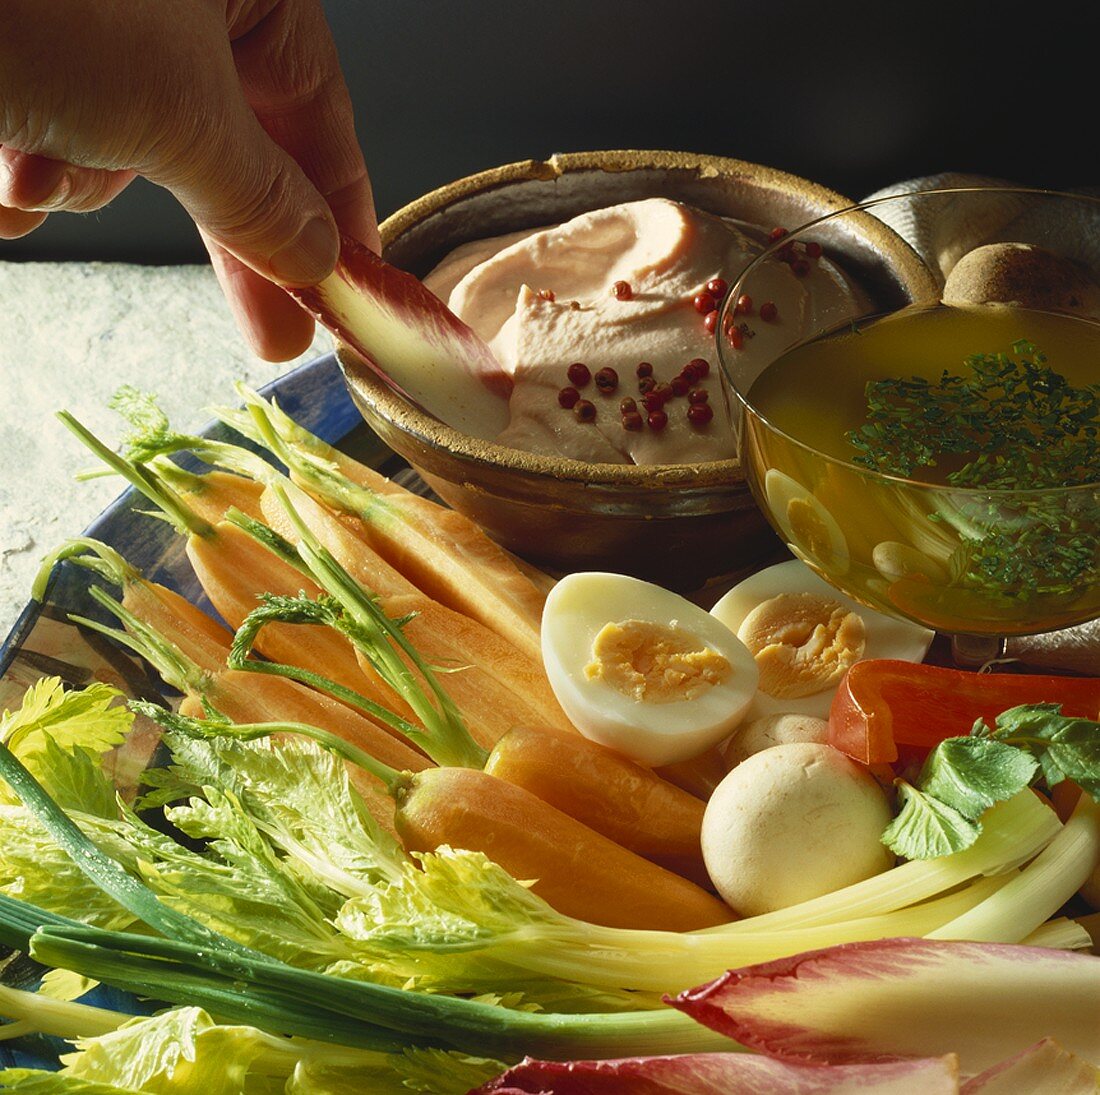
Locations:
{"points": [[238, 107]]}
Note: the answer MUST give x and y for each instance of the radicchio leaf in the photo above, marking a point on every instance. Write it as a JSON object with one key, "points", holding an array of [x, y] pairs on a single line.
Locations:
{"points": [[408, 336], [720, 1074], [898, 998]]}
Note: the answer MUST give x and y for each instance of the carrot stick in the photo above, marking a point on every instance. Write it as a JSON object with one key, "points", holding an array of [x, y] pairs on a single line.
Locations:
{"points": [[607, 792], [542, 581], [497, 685], [234, 571]]}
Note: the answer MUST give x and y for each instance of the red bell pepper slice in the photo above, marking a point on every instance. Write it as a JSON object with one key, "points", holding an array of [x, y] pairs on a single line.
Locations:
{"points": [[882, 704]]}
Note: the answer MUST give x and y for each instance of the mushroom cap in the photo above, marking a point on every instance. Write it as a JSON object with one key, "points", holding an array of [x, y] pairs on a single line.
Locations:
{"points": [[791, 823]]}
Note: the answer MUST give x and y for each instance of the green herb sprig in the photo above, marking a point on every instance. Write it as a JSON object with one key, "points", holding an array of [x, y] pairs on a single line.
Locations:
{"points": [[963, 776], [1015, 424], [1018, 423]]}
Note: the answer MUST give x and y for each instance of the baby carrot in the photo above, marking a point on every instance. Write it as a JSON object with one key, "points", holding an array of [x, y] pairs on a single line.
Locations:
{"points": [[607, 792], [576, 870], [446, 555]]}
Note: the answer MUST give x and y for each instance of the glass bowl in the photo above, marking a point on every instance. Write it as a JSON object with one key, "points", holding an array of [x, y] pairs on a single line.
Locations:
{"points": [[978, 545]]}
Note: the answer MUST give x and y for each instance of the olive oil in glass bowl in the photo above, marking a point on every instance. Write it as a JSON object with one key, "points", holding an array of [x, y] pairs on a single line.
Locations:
{"points": [[938, 456]]}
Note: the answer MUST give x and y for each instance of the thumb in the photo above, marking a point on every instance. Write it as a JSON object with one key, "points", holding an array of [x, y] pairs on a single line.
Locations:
{"points": [[246, 194]]}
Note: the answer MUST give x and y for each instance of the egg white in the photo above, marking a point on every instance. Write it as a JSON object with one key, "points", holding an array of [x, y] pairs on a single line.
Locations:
{"points": [[781, 490], [885, 636], [578, 608]]}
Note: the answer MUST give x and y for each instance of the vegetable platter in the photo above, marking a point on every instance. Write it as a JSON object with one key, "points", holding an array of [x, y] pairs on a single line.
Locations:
{"points": [[43, 642], [266, 874]]}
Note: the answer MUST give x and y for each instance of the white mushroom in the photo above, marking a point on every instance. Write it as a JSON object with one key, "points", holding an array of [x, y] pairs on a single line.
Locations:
{"points": [[792, 823], [771, 730]]}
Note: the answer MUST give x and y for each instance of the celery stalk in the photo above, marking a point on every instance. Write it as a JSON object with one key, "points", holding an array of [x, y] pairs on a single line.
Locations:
{"points": [[1040, 889], [1060, 934], [1012, 833], [60, 1018]]}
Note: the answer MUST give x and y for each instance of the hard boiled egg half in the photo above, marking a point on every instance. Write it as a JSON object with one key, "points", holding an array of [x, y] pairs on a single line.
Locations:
{"points": [[804, 635], [642, 670]]}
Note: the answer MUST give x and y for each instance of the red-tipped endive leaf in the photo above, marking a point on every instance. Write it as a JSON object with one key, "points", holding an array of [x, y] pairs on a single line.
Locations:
{"points": [[410, 338], [1045, 1067], [898, 998], [723, 1074]]}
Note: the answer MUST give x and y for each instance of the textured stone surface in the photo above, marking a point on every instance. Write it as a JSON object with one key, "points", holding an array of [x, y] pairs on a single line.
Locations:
{"points": [[70, 335]]}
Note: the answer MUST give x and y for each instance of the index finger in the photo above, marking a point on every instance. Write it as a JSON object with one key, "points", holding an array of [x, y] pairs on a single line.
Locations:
{"points": [[290, 73]]}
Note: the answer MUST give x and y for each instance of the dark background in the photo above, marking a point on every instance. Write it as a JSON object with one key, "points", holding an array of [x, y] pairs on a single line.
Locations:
{"points": [[853, 96]]}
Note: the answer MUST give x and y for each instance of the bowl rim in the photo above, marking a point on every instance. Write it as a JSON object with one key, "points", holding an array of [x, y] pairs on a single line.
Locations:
{"points": [[430, 432]]}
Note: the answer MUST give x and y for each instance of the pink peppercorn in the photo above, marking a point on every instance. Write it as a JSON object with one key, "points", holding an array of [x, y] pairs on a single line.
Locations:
{"points": [[579, 374]]}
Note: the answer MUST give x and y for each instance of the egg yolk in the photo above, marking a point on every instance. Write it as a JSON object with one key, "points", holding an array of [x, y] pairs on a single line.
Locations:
{"points": [[654, 663], [802, 643]]}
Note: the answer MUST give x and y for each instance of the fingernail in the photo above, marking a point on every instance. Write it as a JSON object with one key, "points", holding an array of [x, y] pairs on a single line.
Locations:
{"points": [[60, 195], [310, 258]]}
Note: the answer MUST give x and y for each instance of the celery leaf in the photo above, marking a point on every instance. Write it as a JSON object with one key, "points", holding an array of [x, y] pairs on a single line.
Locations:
{"points": [[926, 828], [82, 717], [1065, 747], [181, 1051], [302, 799], [34, 868], [971, 774]]}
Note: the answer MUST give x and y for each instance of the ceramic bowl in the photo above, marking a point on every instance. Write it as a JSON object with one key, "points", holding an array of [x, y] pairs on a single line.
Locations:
{"points": [[682, 524]]}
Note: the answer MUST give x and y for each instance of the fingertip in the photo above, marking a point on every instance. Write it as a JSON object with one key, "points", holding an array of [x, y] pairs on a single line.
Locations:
{"points": [[274, 325], [15, 223], [283, 334], [29, 182], [353, 208], [37, 184]]}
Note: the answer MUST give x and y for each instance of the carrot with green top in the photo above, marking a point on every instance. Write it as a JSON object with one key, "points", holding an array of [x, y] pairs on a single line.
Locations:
{"points": [[446, 555], [157, 606], [495, 685], [233, 569], [576, 870], [594, 785], [246, 698]]}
